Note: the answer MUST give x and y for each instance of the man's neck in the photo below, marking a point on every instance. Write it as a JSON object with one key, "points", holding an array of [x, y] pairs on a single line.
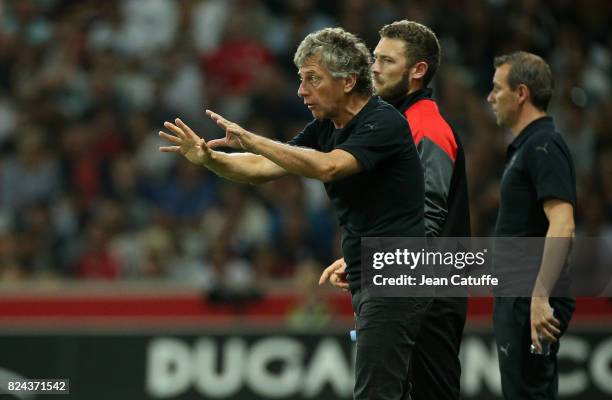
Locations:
{"points": [[527, 116], [349, 109], [414, 86]]}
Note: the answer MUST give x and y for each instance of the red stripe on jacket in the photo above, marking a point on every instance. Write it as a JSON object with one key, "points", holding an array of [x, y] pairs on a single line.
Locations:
{"points": [[425, 121]]}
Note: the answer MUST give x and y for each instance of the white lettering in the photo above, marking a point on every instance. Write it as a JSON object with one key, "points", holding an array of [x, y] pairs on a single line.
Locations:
{"points": [[577, 350], [389, 259], [224, 383], [480, 367], [600, 366], [328, 365], [169, 369], [279, 384], [415, 259], [377, 264]]}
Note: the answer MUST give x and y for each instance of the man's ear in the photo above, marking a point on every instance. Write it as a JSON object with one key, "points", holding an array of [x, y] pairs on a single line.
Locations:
{"points": [[419, 70], [350, 82], [523, 93]]}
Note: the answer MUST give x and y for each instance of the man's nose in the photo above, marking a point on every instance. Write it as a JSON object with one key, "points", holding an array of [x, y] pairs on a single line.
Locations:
{"points": [[375, 68], [301, 90]]}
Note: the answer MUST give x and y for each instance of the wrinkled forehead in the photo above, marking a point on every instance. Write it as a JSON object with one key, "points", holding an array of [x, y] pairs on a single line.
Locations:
{"points": [[312, 65]]}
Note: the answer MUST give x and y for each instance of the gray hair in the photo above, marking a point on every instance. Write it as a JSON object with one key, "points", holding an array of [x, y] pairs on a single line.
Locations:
{"points": [[341, 52]]}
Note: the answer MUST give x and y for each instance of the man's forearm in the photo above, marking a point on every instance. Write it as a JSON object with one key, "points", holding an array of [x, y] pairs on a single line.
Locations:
{"points": [[297, 160], [243, 167], [556, 251]]}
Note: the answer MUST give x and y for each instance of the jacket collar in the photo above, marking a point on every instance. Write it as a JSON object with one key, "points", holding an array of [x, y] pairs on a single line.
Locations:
{"points": [[404, 103]]}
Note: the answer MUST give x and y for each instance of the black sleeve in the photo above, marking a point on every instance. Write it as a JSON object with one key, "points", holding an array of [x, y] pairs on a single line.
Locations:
{"points": [[377, 139], [551, 170], [308, 136], [438, 169]]}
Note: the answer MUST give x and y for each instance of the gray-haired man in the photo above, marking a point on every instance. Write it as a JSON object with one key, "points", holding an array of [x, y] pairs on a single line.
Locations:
{"points": [[363, 151]]}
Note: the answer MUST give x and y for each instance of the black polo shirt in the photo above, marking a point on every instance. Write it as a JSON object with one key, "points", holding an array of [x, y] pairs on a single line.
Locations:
{"points": [[386, 198], [538, 167]]}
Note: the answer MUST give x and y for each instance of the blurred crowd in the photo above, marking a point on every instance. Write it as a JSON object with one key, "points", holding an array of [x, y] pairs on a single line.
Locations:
{"points": [[86, 85]]}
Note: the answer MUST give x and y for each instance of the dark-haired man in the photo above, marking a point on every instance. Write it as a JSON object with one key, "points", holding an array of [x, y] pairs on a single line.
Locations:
{"points": [[406, 59], [538, 198]]}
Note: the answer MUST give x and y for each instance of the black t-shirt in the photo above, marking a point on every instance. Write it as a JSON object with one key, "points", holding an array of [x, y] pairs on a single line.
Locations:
{"points": [[386, 198], [538, 167]]}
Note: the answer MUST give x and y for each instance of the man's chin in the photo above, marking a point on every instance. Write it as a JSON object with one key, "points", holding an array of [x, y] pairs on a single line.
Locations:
{"points": [[391, 94], [502, 123], [317, 115], [380, 91]]}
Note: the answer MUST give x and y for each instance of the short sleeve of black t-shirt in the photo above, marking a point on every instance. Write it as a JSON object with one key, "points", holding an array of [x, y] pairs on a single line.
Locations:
{"points": [[375, 140], [549, 165]]}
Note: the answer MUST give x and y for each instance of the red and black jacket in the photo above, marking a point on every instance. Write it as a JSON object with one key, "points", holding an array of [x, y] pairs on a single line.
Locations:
{"points": [[447, 211]]}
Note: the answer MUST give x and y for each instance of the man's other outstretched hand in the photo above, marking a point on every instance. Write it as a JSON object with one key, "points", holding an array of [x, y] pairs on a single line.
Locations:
{"points": [[236, 137], [185, 142]]}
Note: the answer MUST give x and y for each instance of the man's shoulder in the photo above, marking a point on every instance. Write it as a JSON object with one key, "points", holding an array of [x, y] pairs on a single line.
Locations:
{"points": [[425, 113], [543, 138], [383, 120], [383, 111], [317, 126], [426, 121]]}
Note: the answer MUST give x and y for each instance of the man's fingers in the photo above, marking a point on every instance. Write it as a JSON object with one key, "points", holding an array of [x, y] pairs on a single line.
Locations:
{"points": [[218, 143], [545, 331], [175, 129], [548, 335], [339, 281], [325, 275], [170, 149], [550, 324], [336, 265], [170, 138], [188, 131], [222, 122], [554, 321], [552, 330]]}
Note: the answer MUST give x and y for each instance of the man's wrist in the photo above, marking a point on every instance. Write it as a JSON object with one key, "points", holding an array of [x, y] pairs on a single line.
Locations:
{"points": [[251, 142], [207, 161], [539, 298]]}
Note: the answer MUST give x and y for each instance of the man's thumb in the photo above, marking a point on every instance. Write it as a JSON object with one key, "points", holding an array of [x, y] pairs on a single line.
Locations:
{"points": [[215, 143]]}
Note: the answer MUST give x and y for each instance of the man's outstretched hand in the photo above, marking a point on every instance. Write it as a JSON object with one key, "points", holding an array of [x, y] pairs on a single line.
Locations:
{"points": [[236, 137], [185, 142]]}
